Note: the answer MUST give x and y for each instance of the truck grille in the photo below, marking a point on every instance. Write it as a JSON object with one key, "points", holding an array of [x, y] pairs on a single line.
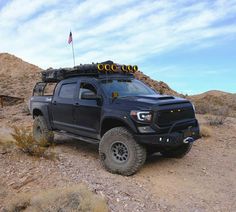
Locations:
{"points": [[168, 117]]}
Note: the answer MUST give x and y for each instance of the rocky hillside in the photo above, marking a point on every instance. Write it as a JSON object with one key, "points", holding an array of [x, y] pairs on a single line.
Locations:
{"points": [[215, 102], [17, 77], [160, 86]]}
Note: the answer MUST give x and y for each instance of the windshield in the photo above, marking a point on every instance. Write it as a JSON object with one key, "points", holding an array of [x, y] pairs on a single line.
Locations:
{"points": [[123, 88]]}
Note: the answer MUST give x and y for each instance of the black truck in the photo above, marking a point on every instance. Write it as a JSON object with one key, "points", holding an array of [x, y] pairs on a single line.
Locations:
{"points": [[104, 104]]}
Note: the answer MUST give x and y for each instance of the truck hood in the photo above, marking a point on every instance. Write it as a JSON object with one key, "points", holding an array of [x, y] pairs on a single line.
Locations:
{"points": [[151, 102]]}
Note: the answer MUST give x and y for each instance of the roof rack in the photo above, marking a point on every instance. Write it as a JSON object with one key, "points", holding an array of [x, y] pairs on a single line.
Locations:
{"points": [[94, 69]]}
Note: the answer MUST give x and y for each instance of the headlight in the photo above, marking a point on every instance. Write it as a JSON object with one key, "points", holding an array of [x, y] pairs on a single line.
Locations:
{"points": [[143, 116]]}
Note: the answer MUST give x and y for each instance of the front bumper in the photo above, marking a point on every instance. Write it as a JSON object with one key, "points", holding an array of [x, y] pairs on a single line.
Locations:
{"points": [[170, 138]]}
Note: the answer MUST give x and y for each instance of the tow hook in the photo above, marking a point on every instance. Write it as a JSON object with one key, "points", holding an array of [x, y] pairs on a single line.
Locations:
{"points": [[188, 140]]}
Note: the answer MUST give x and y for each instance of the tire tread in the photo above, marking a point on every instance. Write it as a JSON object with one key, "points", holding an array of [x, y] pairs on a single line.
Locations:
{"points": [[140, 151]]}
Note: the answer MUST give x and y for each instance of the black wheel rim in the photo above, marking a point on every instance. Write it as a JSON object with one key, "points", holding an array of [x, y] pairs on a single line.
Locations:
{"points": [[119, 152]]}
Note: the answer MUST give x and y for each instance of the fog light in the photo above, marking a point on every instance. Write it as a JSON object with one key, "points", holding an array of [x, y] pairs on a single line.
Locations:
{"points": [[146, 129]]}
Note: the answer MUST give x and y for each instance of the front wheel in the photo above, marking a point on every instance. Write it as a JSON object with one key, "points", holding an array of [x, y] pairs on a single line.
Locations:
{"points": [[120, 153], [178, 152]]}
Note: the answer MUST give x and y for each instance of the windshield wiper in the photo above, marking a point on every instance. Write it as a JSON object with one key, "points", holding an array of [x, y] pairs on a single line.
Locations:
{"points": [[122, 97]]}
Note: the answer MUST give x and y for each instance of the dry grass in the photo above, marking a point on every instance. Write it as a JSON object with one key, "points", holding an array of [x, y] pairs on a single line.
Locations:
{"points": [[73, 198], [205, 131], [24, 140], [216, 120]]}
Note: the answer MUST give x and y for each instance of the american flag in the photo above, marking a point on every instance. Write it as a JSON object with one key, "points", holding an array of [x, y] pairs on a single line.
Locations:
{"points": [[70, 38]]}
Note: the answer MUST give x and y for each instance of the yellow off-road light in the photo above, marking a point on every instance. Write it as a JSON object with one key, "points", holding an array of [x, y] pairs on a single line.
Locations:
{"points": [[124, 68], [107, 67], [129, 68], [135, 68], [100, 67], [113, 67]]}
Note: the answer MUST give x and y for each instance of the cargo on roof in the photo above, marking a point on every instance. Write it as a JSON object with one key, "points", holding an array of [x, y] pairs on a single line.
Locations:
{"points": [[94, 69]]}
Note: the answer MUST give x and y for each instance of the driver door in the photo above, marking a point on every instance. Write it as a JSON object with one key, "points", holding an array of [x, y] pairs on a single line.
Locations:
{"points": [[87, 111]]}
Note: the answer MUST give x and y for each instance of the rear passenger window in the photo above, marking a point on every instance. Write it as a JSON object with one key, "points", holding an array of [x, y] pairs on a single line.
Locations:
{"points": [[67, 91]]}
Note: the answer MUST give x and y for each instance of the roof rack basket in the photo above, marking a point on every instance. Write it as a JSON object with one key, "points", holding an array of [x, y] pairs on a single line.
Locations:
{"points": [[94, 69]]}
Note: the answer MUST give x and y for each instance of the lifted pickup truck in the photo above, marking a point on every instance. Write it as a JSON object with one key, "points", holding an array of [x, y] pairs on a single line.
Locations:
{"points": [[104, 104]]}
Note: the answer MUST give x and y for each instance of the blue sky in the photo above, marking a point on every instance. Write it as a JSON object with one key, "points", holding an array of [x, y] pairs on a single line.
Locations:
{"points": [[191, 44]]}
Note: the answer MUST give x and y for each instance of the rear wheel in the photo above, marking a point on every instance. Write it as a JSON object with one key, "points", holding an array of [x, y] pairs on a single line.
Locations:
{"points": [[120, 153], [178, 152], [40, 131]]}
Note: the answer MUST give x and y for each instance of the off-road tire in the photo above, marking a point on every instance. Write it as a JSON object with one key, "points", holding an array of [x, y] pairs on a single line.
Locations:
{"points": [[41, 131], [178, 152], [136, 153]]}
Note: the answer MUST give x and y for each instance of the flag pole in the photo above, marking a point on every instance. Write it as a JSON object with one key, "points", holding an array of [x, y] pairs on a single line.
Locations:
{"points": [[71, 40], [73, 52]]}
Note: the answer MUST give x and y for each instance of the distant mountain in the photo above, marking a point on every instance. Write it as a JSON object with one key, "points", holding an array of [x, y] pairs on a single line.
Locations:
{"points": [[17, 77], [216, 93]]}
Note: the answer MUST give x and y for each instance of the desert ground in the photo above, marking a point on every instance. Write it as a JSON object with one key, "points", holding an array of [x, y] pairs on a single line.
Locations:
{"points": [[202, 181]]}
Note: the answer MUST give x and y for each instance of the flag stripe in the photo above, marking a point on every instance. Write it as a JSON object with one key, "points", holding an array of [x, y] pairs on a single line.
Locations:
{"points": [[70, 38]]}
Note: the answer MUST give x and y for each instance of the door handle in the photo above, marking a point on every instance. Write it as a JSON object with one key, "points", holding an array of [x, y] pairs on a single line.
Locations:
{"points": [[76, 104], [54, 102]]}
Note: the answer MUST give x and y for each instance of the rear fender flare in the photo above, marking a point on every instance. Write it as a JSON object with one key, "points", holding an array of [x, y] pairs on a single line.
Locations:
{"points": [[42, 112]]}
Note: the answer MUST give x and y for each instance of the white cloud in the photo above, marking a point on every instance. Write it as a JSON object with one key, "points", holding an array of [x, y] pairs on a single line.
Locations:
{"points": [[126, 31], [20, 10]]}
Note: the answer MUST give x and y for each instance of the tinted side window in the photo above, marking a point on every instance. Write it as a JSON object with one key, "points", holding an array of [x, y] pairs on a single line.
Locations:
{"points": [[67, 91]]}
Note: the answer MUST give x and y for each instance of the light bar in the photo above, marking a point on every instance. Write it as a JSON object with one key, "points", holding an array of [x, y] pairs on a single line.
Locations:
{"points": [[117, 68]]}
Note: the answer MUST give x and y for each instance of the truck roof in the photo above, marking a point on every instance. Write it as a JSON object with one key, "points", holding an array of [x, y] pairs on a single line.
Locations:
{"points": [[102, 76]]}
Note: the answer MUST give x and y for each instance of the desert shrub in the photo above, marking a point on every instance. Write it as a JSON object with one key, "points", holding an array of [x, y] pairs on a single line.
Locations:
{"points": [[205, 131], [216, 120], [219, 113], [202, 108], [24, 140], [73, 198], [212, 106], [219, 117]]}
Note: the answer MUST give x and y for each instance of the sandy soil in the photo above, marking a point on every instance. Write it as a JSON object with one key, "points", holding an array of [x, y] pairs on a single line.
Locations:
{"points": [[202, 181]]}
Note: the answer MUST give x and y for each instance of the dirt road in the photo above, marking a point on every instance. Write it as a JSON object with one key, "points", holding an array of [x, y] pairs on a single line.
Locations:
{"points": [[202, 181]]}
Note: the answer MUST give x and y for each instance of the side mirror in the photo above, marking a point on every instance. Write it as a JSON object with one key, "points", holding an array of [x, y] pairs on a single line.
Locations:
{"points": [[89, 95]]}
